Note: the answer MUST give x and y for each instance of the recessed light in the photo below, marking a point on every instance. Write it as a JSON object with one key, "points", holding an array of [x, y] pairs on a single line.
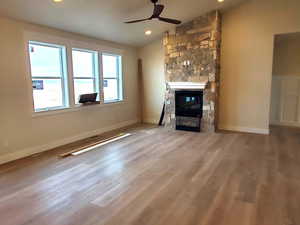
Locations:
{"points": [[148, 32], [57, 1], [220, 0]]}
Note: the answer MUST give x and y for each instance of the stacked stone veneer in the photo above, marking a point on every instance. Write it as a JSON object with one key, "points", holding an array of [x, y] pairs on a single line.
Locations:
{"points": [[197, 41]]}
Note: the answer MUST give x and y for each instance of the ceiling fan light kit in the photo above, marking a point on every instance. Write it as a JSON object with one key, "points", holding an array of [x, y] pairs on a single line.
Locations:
{"points": [[158, 9]]}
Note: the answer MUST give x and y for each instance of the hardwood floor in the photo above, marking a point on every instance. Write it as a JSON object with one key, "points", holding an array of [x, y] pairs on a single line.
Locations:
{"points": [[160, 177]]}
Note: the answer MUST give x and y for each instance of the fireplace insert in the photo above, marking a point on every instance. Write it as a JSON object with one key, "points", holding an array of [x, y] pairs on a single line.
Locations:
{"points": [[188, 110]]}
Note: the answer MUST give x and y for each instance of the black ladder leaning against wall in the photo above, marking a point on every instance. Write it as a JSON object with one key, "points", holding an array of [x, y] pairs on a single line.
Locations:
{"points": [[162, 116]]}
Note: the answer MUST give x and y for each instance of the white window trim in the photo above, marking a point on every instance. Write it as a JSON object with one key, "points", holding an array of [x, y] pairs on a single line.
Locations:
{"points": [[69, 45]]}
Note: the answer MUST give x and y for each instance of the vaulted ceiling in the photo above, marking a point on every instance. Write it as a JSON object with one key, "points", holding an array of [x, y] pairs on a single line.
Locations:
{"points": [[104, 19]]}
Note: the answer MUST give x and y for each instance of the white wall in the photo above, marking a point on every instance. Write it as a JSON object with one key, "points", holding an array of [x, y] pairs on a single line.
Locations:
{"points": [[152, 56], [20, 133]]}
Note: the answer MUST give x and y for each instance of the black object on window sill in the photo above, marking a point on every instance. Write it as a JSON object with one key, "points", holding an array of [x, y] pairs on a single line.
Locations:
{"points": [[88, 98]]}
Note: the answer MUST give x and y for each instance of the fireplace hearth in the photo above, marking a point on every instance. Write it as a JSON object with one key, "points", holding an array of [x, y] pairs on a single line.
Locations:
{"points": [[188, 110]]}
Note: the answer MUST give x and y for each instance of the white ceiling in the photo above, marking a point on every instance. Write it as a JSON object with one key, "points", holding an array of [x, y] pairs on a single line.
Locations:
{"points": [[104, 19]]}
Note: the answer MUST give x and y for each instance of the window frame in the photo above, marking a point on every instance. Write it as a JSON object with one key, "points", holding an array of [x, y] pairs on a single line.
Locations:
{"points": [[69, 44], [119, 78], [96, 72], [63, 78]]}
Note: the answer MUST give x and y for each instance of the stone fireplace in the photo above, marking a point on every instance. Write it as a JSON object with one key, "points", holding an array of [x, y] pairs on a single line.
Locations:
{"points": [[192, 62]]}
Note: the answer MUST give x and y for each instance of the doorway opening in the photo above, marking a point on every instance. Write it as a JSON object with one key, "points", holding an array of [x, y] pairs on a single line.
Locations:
{"points": [[285, 96]]}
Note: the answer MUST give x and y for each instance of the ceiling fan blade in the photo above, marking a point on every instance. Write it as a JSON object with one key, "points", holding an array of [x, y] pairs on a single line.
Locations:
{"points": [[157, 10], [169, 20], [136, 21]]}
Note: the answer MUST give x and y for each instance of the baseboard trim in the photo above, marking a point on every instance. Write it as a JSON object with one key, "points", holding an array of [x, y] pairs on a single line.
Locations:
{"points": [[287, 124], [245, 129], [42, 148]]}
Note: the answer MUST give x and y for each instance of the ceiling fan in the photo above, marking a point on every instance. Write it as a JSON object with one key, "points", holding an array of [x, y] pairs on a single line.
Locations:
{"points": [[158, 9]]}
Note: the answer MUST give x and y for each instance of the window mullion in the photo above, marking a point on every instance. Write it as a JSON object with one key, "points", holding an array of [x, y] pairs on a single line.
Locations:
{"points": [[101, 79], [120, 79], [118, 73], [70, 76], [64, 75], [95, 73]]}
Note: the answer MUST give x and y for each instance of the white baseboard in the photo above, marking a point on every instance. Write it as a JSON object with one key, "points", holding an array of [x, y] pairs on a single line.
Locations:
{"points": [[38, 149], [288, 124], [244, 129]]}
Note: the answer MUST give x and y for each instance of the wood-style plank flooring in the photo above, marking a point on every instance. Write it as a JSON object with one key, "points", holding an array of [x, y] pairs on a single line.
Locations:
{"points": [[160, 177]]}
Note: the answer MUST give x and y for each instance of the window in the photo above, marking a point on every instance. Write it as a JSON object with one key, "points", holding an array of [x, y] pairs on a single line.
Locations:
{"points": [[61, 70], [112, 77], [85, 72], [48, 72]]}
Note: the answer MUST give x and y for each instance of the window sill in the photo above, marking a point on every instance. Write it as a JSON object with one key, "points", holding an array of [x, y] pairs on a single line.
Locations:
{"points": [[113, 102], [77, 108]]}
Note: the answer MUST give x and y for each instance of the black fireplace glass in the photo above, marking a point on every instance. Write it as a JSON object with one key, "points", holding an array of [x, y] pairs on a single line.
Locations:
{"points": [[189, 103]]}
